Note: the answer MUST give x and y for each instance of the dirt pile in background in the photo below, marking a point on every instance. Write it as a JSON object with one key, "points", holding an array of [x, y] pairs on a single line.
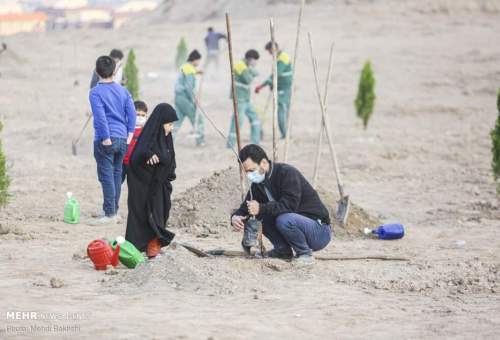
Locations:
{"points": [[206, 208], [454, 7], [358, 220], [202, 10], [199, 10]]}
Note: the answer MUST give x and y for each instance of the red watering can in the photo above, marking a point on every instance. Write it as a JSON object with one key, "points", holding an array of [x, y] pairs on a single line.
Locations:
{"points": [[102, 255]]}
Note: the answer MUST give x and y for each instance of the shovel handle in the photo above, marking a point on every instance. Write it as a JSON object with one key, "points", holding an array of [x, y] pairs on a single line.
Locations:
{"points": [[77, 140]]}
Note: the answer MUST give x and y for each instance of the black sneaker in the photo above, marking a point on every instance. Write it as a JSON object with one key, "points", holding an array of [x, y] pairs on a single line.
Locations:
{"points": [[273, 253]]}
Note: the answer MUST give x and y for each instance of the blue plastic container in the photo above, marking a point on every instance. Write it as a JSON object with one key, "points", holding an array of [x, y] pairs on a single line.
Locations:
{"points": [[392, 231]]}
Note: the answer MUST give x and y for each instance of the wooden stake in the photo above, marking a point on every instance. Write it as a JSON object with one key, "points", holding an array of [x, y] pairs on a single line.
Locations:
{"points": [[275, 92], [294, 65], [323, 115], [239, 253], [235, 103], [323, 123]]}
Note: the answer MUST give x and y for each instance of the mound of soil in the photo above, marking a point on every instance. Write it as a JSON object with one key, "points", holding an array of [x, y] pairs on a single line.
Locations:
{"points": [[176, 267], [179, 269], [206, 208]]}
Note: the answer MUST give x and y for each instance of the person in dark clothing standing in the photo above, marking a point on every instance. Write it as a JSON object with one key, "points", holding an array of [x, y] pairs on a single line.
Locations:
{"points": [[151, 171], [212, 43], [292, 214]]}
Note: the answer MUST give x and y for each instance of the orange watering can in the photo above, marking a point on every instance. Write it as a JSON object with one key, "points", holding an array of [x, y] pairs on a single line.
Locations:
{"points": [[102, 255]]}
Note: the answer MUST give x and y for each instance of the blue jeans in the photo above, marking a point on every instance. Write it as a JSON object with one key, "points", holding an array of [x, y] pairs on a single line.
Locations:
{"points": [[109, 160], [293, 231], [283, 107]]}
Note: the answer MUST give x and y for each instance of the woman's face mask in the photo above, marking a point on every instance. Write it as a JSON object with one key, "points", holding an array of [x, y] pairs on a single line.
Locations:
{"points": [[255, 176]]}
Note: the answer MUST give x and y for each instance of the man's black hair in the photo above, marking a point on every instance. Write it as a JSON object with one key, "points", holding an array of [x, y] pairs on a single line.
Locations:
{"points": [[105, 66], [116, 54], [140, 106], [269, 44], [210, 29], [254, 152], [252, 54], [194, 55]]}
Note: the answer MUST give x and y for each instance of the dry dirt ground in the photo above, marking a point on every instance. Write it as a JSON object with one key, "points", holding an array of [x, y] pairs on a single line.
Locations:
{"points": [[423, 161]]}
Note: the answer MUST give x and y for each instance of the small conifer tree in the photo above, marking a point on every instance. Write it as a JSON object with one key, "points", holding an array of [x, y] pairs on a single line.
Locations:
{"points": [[365, 100], [495, 149], [132, 75], [182, 53], [4, 178]]}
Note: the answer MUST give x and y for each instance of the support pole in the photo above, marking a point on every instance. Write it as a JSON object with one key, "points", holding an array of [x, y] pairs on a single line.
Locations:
{"points": [[323, 115], [275, 91], [323, 123], [294, 65], [235, 102]]}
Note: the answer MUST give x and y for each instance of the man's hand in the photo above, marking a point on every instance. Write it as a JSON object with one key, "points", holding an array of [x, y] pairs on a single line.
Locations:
{"points": [[153, 160], [238, 222], [129, 138], [258, 88], [200, 72], [107, 142], [253, 207]]}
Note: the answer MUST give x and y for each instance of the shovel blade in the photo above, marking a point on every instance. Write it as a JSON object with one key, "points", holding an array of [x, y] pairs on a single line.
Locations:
{"points": [[196, 251], [73, 148], [343, 210]]}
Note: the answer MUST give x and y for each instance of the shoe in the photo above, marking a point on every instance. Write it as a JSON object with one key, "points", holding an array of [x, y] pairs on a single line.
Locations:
{"points": [[102, 214], [103, 220], [273, 253], [99, 214], [154, 248], [305, 260]]}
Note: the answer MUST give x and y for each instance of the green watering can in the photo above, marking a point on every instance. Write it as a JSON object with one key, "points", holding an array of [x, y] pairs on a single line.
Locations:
{"points": [[71, 210], [129, 255]]}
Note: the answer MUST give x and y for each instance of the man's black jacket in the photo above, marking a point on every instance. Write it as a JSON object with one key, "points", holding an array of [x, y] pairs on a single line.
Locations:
{"points": [[292, 194]]}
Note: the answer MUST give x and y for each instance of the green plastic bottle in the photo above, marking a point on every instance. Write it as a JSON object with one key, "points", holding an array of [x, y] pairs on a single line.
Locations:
{"points": [[129, 255], [71, 210]]}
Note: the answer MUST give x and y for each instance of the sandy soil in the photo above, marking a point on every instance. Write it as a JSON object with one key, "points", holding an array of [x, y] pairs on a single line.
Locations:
{"points": [[424, 161]]}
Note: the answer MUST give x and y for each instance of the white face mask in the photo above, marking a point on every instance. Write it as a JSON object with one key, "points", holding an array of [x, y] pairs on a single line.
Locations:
{"points": [[140, 121], [256, 177]]}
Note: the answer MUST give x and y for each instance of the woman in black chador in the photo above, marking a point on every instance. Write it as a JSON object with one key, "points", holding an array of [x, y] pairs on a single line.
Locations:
{"points": [[152, 168]]}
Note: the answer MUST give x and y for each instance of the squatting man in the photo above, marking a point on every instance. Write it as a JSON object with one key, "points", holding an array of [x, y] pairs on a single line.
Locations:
{"points": [[293, 217]]}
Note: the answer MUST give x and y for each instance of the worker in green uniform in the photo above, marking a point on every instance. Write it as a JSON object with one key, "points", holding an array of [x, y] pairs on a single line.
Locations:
{"points": [[185, 99], [285, 76], [244, 73]]}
